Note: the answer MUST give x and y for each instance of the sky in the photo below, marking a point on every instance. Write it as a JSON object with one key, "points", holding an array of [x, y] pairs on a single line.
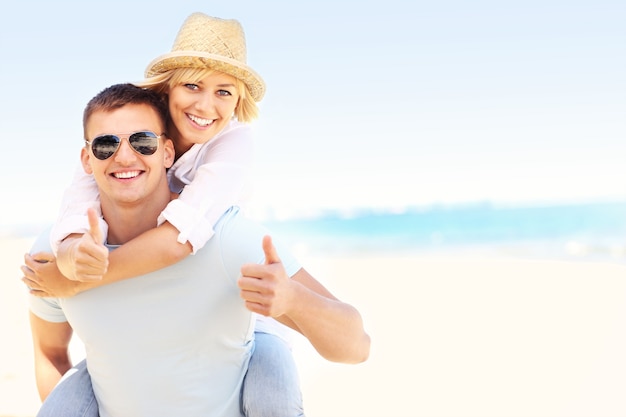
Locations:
{"points": [[369, 105]]}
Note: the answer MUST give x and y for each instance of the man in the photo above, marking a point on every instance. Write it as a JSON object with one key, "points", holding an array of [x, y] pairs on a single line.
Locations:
{"points": [[177, 341]]}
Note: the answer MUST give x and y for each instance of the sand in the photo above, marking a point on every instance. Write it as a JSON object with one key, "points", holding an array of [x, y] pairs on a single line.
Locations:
{"points": [[451, 336]]}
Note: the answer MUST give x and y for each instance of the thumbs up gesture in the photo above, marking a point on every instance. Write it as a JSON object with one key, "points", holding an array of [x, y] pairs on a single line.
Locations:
{"points": [[88, 258], [266, 288]]}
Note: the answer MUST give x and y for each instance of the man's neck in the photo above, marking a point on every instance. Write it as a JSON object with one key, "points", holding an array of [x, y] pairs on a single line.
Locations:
{"points": [[127, 221]]}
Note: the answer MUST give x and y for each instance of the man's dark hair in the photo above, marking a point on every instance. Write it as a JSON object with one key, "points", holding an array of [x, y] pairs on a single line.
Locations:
{"points": [[119, 95]]}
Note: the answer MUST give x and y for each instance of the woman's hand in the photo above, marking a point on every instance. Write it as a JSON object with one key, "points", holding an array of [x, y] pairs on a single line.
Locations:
{"points": [[43, 278]]}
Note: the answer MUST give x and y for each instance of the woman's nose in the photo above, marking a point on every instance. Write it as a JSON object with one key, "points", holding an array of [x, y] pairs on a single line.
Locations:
{"points": [[205, 101]]}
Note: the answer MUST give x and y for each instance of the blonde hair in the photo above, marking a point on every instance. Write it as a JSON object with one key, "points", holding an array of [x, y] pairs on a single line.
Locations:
{"points": [[246, 110]]}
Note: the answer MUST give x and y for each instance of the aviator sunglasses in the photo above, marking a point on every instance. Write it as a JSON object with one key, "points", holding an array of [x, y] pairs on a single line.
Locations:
{"points": [[144, 143]]}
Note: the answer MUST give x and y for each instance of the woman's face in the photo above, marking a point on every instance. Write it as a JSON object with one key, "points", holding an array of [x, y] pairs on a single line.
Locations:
{"points": [[201, 110]]}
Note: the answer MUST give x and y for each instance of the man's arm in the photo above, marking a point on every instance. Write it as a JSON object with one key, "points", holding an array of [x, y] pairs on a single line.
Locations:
{"points": [[333, 327], [52, 359]]}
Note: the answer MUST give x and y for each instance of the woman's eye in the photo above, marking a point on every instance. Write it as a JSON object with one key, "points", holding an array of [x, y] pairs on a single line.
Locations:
{"points": [[191, 86], [224, 93]]}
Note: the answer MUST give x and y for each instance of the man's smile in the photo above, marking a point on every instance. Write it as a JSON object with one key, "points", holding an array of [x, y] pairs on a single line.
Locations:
{"points": [[126, 174]]}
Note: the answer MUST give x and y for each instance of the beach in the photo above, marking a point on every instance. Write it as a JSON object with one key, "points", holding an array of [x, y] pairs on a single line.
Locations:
{"points": [[452, 335]]}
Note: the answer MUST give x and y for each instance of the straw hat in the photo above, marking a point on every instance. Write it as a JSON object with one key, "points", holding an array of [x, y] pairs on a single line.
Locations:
{"points": [[210, 42]]}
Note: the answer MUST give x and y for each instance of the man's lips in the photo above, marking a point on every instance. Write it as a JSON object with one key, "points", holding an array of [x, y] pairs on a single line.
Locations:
{"points": [[126, 174]]}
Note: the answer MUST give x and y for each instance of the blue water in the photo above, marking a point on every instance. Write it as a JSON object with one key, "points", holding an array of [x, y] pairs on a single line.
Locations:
{"points": [[586, 231], [594, 231]]}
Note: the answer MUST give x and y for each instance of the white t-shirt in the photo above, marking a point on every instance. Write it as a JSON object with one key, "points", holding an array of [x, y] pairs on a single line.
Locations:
{"points": [[175, 342]]}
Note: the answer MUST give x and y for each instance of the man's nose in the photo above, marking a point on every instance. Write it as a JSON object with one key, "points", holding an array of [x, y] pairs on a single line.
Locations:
{"points": [[125, 152]]}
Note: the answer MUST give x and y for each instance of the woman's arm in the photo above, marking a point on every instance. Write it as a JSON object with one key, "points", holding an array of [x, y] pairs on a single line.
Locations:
{"points": [[85, 258], [91, 264], [152, 250]]}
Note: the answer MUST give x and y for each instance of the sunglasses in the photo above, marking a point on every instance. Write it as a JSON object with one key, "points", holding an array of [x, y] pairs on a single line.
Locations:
{"points": [[144, 142]]}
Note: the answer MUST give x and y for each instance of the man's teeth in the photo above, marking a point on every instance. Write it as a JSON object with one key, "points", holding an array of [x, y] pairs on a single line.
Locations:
{"points": [[126, 175], [201, 122]]}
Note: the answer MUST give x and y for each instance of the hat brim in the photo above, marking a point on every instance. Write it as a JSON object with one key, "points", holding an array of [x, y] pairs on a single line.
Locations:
{"points": [[192, 59]]}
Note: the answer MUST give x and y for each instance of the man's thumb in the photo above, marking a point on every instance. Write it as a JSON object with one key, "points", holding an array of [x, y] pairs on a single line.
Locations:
{"points": [[271, 256], [94, 226]]}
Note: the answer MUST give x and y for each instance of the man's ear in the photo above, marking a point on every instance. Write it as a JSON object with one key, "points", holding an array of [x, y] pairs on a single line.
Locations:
{"points": [[85, 157], [168, 153]]}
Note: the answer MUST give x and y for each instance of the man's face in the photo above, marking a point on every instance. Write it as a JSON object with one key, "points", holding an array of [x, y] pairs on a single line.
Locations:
{"points": [[127, 177]]}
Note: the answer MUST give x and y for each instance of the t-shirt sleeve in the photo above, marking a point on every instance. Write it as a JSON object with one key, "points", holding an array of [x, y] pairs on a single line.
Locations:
{"points": [[221, 180], [72, 218], [47, 309], [241, 241]]}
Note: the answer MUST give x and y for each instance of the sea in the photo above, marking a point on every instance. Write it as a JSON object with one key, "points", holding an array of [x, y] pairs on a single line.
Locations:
{"points": [[574, 231]]}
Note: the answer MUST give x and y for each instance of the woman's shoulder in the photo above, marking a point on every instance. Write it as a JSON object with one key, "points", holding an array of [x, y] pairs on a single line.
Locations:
{"points": [[235, 128], [234, 134]]}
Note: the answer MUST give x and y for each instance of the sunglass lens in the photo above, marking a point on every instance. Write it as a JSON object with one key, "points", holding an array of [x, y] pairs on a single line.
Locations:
{"points": [[105, 146], [146, 143]]}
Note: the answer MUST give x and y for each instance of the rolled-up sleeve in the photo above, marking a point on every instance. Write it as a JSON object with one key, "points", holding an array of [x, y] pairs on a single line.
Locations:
{"points": [[81, 195], [216, 176]]}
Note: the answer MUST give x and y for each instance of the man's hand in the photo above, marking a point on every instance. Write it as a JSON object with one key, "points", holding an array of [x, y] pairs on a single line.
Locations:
{"points": [[266, 288], [85, 258], [44, 279], [334, 328]]}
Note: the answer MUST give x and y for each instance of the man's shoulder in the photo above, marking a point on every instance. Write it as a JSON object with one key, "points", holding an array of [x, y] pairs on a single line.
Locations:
{"points": [[238, 237], [42, 242], [235, 224], [47, 309], [241, 241]]}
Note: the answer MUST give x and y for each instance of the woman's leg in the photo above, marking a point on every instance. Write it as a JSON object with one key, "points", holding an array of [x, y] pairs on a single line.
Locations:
{"points": [[72, 396], [271, 387]]}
